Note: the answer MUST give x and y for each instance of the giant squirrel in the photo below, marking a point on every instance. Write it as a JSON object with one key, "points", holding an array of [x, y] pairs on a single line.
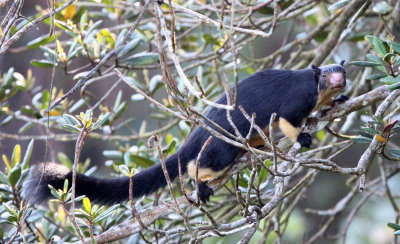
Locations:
{"points": [[292, 95]]}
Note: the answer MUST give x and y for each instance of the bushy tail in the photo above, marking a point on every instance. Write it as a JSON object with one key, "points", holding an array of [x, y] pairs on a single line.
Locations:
{"points": [[105, 191]]}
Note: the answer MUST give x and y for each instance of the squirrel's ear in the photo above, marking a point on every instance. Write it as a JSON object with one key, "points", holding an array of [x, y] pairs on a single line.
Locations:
{"points": [[341, 63], [316, 70]]}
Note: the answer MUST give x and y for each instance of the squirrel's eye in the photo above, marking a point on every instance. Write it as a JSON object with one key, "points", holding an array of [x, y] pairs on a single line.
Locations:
{"points": [[324, 76]]}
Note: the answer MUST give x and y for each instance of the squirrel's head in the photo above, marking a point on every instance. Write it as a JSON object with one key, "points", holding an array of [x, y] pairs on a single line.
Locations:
{"points": [[330, 77]]}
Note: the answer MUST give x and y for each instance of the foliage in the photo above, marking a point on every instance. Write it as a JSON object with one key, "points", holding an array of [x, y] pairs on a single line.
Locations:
{"points": [[178, 59]]}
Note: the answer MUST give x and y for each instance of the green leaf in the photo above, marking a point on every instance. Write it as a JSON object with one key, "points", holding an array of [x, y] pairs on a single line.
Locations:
{"points": [[142, 161], [393, 226], [374, 59], [170, 148], [395, 152], [88, 114], [7, 120], [379, 120], [364, 134], [86, 205], [45, 99], [388, 80], [370, 130], [380, 7], [141, 59], [376, 76], [108, 37], [9, 209], [54, 192], [77, 199], [48, 53], [65, 188], [64, 160], [121, 36], [42, 40], [365, 63], [27, 126], [395, 46], [66, 27], [101, 120], [312, 19], [397, 61], [26, 109], [83, 21], [242, 182], [388, 57], [93, 27], [262, 175], [4, 178], [129, 47], [117, 101], [377, 45], [118, 112], [357, 36], [78, 105], [361, 139], [338, 5], [72, 128], [8, 79], [15, 174], [127, 159], [124, 170], [394, 86], [71, 119], [105, 214]]}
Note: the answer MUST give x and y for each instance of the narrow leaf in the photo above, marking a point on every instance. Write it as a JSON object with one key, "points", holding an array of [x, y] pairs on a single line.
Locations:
{"points": [[105, 214], [338, 5], [83, 21], [72, 128], [71, 119], [54, 192], [15, 174], [16, 156], [361, 139], [393, 226], [394, 86], [395, 152], [124, 170], [365, 63], [376, 76], [86, 205], [42, 63]]}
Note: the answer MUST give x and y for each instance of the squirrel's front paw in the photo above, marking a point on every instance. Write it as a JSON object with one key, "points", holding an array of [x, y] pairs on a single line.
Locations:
{"points": [[304, 139], [205, 192], [340, 99]]}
